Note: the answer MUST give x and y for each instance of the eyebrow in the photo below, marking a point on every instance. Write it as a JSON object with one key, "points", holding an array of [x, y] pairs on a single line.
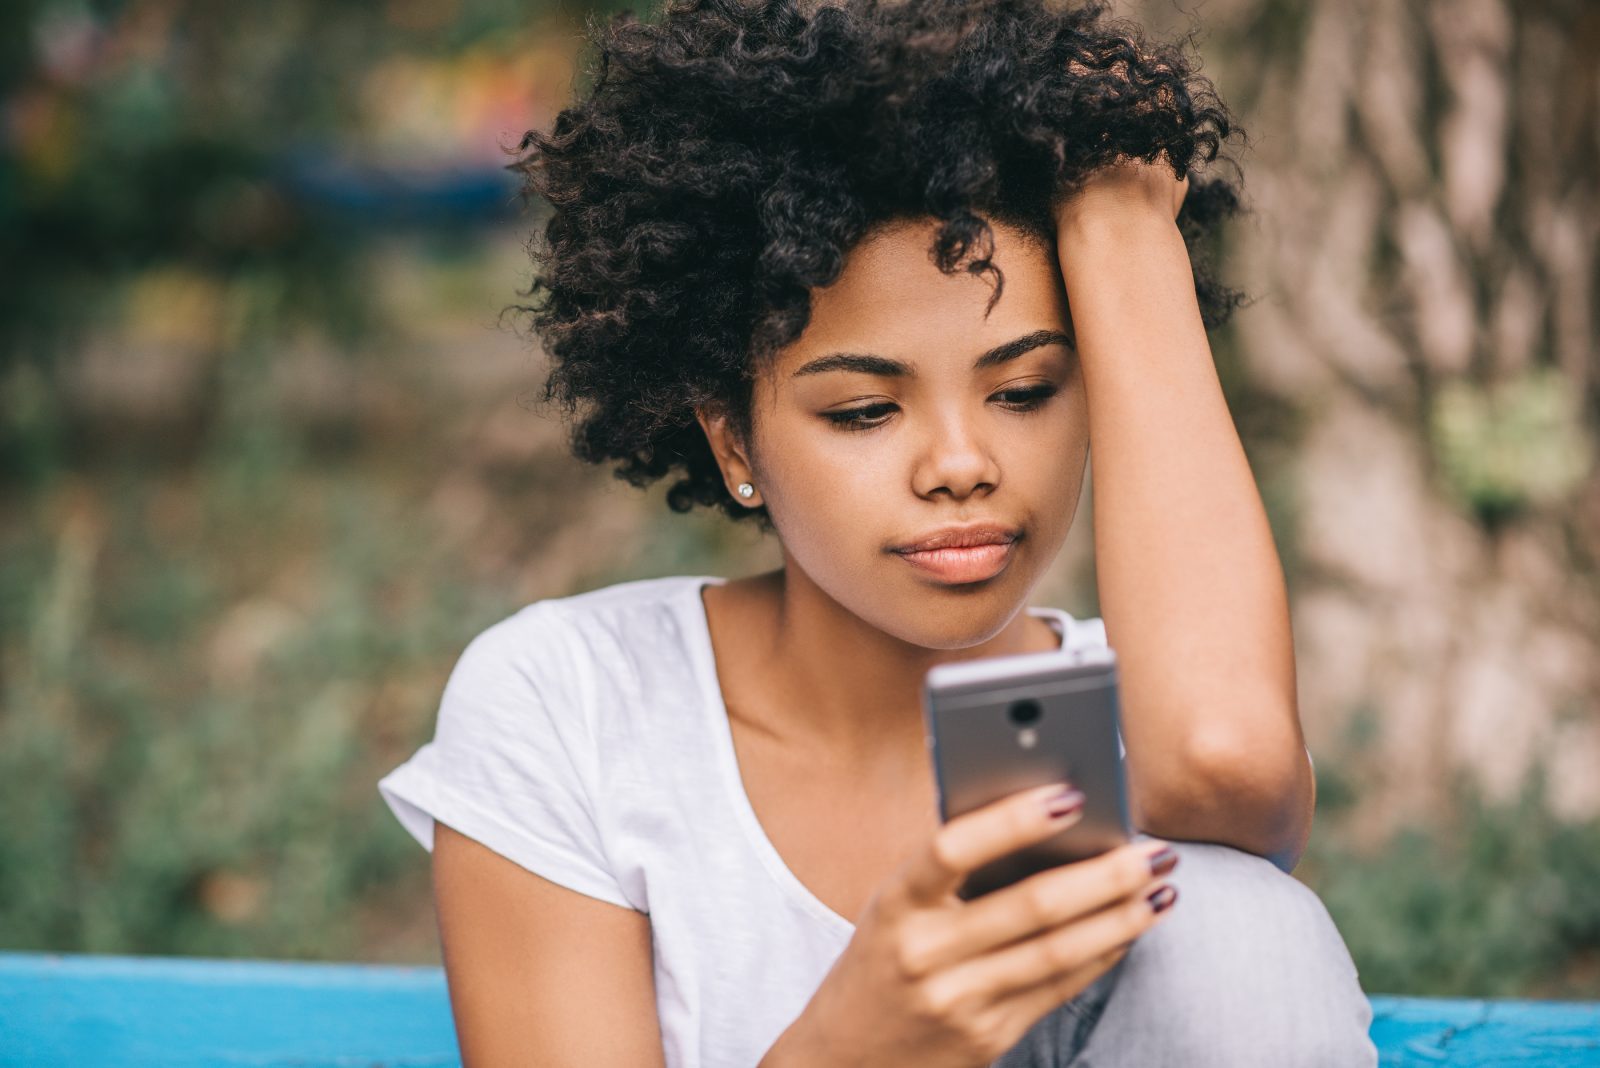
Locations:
{"points": [[872, 364]]}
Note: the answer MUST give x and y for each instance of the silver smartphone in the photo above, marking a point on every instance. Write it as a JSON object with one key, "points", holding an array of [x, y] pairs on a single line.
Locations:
{"points": [[1002, 724]]}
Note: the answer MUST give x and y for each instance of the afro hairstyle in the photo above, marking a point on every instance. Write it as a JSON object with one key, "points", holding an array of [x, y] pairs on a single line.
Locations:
{"points": [[728, 155]]}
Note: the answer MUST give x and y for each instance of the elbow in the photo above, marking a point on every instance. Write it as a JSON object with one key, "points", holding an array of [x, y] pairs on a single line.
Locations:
{"points": [[1258, 790]]}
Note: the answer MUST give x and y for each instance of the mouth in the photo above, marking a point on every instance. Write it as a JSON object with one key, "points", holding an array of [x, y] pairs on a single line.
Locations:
{"points": [[962, 554]]}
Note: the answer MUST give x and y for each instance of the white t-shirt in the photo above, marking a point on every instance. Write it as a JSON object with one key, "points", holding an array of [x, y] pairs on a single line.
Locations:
{"points": [[585, 738]]}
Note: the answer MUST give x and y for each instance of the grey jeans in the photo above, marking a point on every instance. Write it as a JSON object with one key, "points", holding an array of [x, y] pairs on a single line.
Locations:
{"points": [[1247, 969]]}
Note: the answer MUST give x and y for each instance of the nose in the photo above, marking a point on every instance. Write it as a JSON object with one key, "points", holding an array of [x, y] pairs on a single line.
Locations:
{"points": [[955, 459]]}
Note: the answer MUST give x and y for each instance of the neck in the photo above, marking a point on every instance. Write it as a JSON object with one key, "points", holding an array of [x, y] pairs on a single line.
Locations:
{"points": [[847, 687]]}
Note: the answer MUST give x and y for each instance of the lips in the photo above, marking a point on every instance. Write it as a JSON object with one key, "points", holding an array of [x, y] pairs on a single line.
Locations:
{"points": [[961, 538], [962, 554]]}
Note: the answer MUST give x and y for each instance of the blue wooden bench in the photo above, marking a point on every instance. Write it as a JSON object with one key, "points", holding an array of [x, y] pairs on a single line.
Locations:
{"points": [[59, 1010]]}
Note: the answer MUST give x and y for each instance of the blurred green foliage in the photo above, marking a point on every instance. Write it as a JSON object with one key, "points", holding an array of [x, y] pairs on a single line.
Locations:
{"points": [[1501, 904], [144, 134], [1514, 445], [188, 756]]}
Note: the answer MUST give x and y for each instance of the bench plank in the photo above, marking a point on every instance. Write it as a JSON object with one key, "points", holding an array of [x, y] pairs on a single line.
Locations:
{"points": [[61, 1010]]}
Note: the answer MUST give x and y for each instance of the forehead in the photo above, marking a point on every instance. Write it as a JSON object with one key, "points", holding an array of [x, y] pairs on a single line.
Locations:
{"points": [[891, 299]]}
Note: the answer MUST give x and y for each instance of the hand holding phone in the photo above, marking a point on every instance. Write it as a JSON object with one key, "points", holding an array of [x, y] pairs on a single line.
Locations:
{"points": [[932, 981]]}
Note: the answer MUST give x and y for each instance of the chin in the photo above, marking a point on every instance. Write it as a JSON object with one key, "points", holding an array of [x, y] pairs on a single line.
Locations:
{"points": [[953, 617]]}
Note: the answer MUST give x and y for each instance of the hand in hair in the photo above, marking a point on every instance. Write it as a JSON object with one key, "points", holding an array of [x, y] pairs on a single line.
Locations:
{"points": [[1126, 185]]}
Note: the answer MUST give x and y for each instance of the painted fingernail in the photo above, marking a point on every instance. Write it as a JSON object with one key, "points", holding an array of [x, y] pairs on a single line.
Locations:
{"points": [[1162, 898], [1064, 803], [1163, 861]]}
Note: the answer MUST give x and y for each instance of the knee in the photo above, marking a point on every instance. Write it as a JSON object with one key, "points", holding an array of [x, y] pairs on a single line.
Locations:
{"points": [[1249, 968]]}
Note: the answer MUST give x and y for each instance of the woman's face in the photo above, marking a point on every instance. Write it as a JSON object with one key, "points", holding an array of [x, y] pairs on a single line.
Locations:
{"points": [[885, 423]]}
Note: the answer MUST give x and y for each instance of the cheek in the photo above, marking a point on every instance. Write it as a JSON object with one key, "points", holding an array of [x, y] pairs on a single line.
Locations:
{"points": [[1058, 451], [826, 478], [1046, 469], [829, 494]]}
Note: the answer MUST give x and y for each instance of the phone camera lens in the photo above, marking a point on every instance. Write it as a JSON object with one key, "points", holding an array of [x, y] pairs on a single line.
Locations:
{"points": [[1025, 712]]}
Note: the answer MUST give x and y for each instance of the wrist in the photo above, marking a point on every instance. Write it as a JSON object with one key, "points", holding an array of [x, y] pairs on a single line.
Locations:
{"points": [[801, 1047], [1112, 221]]}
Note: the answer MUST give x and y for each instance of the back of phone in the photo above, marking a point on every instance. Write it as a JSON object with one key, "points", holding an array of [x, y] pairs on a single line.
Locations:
{"points": [[1003, 724]]}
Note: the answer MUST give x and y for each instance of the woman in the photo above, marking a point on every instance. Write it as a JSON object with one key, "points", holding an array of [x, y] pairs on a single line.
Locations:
{"points": [[691, 821]]}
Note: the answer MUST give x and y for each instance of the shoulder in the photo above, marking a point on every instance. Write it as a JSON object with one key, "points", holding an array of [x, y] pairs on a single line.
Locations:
{"points": [[613, 625], [557, 671], [622, 600]]}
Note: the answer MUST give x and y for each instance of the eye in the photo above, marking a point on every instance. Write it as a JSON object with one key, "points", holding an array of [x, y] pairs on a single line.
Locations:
{"points": [[857, 418], [867, 416], [1028, 399]]}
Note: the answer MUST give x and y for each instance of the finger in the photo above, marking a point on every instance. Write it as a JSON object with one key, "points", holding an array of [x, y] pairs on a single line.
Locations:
{"points": [[1047, 900], [1032, 1003], [1063, 950], [973, 839]]}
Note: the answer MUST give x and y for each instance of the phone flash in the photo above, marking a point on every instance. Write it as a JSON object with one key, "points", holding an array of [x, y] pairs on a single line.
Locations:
{"points": [[1027, 737]]}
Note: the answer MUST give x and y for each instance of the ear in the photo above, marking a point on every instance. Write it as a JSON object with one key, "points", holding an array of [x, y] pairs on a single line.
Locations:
{"points": [[731, 453]]}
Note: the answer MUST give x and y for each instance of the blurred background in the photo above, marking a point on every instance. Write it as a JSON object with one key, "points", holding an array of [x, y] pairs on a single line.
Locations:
{"points": [[269, 456]]}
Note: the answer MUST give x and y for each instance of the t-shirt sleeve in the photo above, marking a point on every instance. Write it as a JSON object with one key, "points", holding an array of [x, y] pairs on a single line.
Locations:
{"points": [[1088, 633], [512, 763]]}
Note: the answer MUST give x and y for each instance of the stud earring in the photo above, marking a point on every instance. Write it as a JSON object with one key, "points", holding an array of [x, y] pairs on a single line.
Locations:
{"points": [[746, 490]]}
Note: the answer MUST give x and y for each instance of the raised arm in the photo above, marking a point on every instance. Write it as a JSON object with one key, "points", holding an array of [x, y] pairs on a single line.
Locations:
{"points": [[1191, 588]]}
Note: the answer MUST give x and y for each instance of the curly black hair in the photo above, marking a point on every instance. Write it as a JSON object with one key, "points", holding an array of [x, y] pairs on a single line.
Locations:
{"points": [[727, 157]]}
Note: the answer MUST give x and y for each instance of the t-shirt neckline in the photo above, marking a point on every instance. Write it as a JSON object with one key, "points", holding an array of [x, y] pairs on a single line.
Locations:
{"points": [[726, 757]]}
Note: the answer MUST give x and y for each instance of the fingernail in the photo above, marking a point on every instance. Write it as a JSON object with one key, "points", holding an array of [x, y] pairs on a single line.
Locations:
{"points": [[1063, 803], [1163, 860], [1162, 898]]}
